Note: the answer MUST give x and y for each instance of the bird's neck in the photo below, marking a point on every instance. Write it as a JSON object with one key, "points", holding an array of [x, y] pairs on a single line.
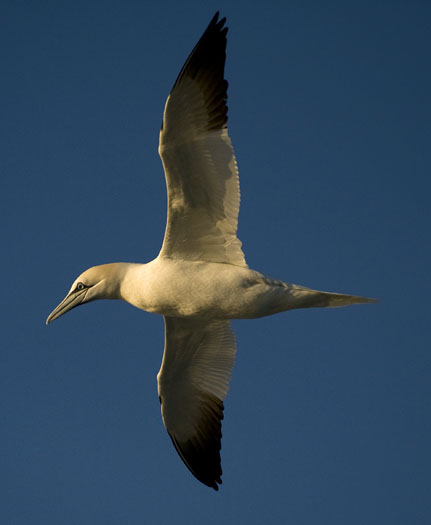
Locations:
{"points": [[117, 278], [132, 285]]}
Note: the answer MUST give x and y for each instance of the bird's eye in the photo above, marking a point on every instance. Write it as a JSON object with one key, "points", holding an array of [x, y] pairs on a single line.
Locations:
{"points": [[80, 286]]}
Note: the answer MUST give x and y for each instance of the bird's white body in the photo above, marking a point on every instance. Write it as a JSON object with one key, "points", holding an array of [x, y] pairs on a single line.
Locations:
{"points": [[210, 290], [207, 290], [200, 280]]}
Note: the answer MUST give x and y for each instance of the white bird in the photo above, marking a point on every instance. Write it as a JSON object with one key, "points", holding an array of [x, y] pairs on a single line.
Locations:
{"points": [[200, 280]]}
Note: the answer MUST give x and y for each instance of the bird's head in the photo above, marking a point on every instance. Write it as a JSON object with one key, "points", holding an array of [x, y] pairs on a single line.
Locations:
{"points": [[98, 282]]}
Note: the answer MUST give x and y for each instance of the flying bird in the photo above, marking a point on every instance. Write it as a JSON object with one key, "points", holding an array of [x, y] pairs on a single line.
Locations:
{"points": [[200, 280]]}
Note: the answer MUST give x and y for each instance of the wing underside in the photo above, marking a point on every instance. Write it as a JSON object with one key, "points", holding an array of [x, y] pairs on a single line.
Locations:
{"points": [[192, 383], [198, 159]]}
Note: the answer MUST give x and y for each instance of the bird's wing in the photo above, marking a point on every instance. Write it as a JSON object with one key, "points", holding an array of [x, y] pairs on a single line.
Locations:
{"points": [[198, 159], [192, 383]]}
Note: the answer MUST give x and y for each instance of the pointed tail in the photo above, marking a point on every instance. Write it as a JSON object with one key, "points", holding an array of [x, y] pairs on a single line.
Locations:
{"points": [[308, 298]]}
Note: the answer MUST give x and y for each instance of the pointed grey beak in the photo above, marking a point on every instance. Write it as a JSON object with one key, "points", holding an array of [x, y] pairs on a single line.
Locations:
{"points": [[70, 301]]}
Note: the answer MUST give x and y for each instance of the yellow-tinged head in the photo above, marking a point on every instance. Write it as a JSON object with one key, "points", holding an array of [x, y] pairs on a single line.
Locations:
{"points": [[98, 282]]}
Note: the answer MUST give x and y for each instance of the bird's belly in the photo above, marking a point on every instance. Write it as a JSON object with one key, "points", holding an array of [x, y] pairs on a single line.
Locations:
{"points": [[200, 289]]}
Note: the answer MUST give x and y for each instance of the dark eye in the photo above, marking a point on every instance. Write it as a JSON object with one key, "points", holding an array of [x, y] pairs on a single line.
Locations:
{"points": [[80, 286]]}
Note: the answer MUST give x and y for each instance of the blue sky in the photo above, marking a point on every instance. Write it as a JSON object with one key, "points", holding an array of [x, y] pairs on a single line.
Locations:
{"points": [[328, 416]]}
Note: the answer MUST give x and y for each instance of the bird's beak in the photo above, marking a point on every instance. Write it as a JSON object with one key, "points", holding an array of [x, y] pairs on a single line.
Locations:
{"points": [[70, 301]]}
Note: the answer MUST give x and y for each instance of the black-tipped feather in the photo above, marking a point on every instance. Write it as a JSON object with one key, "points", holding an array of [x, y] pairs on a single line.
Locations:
{"points": [[201, 454], [205, 65]]}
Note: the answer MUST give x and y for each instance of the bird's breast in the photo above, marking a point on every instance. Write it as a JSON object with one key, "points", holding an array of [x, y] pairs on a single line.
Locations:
{"points": [[192, 289]]}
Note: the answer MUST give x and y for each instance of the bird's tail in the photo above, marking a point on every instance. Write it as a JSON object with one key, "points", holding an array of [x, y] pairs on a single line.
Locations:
{"points": [[308, 298]]}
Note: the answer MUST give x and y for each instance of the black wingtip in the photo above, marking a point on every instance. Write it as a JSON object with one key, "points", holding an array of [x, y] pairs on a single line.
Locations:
{"points": [[216, 22], [207, 470], [205, 65], [201, 452], [212, 44]]}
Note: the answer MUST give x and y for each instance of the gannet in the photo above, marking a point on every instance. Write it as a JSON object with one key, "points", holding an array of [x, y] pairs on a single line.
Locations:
{"points": [[199, 281]]}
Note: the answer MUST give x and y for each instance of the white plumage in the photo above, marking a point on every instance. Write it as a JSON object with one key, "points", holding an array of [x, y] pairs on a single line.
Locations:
{"points": [[200, 280]]}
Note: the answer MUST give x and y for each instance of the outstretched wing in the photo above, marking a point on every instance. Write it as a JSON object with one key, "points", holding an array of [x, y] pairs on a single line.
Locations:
{"points": [[198, 159], [192, 383]]}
